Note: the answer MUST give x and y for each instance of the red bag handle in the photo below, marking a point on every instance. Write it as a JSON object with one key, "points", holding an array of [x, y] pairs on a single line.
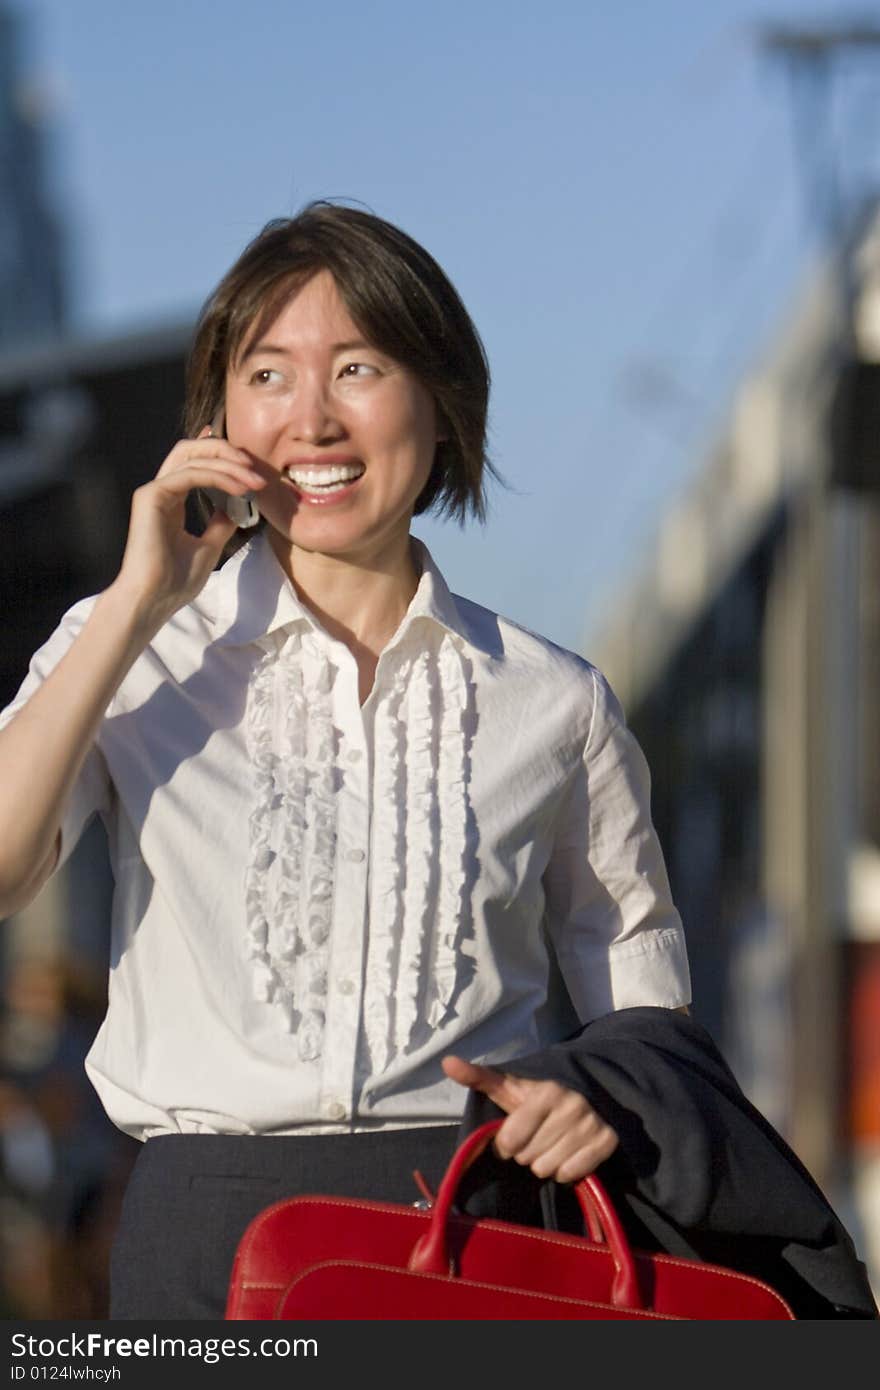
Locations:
{"points": [[431, 1252]]}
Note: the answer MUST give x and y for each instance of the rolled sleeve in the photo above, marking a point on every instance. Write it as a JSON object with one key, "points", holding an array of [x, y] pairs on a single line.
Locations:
{"points": [[617, 935]]}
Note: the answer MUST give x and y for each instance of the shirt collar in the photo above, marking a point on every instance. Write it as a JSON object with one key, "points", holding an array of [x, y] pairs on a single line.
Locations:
{"points": [[250, 596], [432, 599]]}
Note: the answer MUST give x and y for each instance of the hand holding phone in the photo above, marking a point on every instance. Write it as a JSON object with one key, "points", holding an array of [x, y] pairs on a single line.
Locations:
{"points": [[242, 510]]}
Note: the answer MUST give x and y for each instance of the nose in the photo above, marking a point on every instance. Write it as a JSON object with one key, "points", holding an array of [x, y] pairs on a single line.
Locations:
{"points": [[312, 416]]}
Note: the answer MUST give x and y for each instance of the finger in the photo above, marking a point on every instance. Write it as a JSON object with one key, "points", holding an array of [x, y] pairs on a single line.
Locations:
{"points": [[205, 446], [569, 1162], [171, 487], [549, 1113], [506, 1091], [218, 528]]}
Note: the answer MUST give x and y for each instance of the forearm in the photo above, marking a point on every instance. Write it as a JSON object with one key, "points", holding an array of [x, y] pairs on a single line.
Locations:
{"points": [[43, 748]]}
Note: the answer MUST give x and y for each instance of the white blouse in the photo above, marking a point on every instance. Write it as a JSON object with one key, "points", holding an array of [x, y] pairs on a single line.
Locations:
{"points": [[317, 901]]}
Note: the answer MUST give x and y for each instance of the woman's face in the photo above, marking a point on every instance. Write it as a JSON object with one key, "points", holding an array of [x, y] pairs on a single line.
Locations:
{"points": [[345, 435]]}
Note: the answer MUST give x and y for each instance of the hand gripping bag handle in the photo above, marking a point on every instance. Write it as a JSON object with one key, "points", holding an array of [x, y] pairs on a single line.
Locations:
{"points": [[431, 1252]]}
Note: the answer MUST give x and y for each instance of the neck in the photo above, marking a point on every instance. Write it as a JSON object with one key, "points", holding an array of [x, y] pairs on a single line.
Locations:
{"points": [[359, 600]]}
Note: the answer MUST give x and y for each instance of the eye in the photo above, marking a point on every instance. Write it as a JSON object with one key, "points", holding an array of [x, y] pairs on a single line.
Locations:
{"points": [[356, 369], [264, 375]]}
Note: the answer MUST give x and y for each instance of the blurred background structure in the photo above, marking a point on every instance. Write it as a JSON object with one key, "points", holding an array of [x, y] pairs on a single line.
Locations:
{"points": [[745, 652], [743, 642]]}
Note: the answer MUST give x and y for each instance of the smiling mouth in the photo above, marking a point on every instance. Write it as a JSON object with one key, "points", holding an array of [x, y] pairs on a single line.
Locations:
{"points": [[321, 481]]}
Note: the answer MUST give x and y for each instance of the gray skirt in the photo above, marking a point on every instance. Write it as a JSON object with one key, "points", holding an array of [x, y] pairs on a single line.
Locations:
{"points": [[190, 1197]]}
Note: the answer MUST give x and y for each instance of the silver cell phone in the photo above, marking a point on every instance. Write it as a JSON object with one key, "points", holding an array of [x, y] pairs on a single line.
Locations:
{"points": [[242, 510]]}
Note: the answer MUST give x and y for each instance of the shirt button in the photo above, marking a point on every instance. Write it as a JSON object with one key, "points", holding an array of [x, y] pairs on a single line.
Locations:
{"points": [[346, 986], [354, 755], [355, 856], [336, 1110]]}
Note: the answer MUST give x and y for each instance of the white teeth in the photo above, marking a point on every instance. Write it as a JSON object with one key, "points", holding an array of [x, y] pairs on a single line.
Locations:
{"points": [[317, 479]]}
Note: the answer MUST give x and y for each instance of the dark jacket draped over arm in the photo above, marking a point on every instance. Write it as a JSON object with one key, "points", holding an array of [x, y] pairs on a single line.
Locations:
{"points": [[699, 1171]]}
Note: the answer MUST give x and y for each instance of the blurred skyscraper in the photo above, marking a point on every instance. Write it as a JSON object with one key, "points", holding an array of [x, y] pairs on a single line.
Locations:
{"points": [[32, 288]]}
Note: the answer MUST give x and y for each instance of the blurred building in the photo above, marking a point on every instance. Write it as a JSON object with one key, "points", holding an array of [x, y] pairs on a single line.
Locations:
{"points": [[61, 1163], [81, 425], [32, 282], [746, 653]]}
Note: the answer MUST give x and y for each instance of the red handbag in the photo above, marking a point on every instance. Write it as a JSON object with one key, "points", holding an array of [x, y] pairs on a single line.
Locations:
{"points": [[342, 1258]]}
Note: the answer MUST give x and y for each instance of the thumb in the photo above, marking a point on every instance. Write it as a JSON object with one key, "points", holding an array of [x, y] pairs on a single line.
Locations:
{"points": [[218, 528], [505, 1091]]}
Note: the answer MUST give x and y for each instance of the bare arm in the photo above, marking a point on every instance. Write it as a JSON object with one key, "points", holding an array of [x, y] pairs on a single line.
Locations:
{"points": [[43, 748]]}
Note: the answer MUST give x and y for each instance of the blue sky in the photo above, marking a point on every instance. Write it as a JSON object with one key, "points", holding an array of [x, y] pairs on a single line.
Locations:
{"points": [[613, 189]]}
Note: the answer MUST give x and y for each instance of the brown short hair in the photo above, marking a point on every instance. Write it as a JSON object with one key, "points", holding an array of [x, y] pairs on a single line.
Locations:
{"points": [[400, 299]]}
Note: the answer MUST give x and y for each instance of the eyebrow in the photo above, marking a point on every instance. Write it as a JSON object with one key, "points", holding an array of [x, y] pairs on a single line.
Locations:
{"points": [[356, 344]]}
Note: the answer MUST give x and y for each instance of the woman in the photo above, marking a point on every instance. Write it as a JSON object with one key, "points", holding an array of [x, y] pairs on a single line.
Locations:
{"points": [[368, 838]]}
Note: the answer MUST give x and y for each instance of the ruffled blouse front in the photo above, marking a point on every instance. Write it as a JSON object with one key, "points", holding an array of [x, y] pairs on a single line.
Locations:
{"points": [[419, 883]]}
